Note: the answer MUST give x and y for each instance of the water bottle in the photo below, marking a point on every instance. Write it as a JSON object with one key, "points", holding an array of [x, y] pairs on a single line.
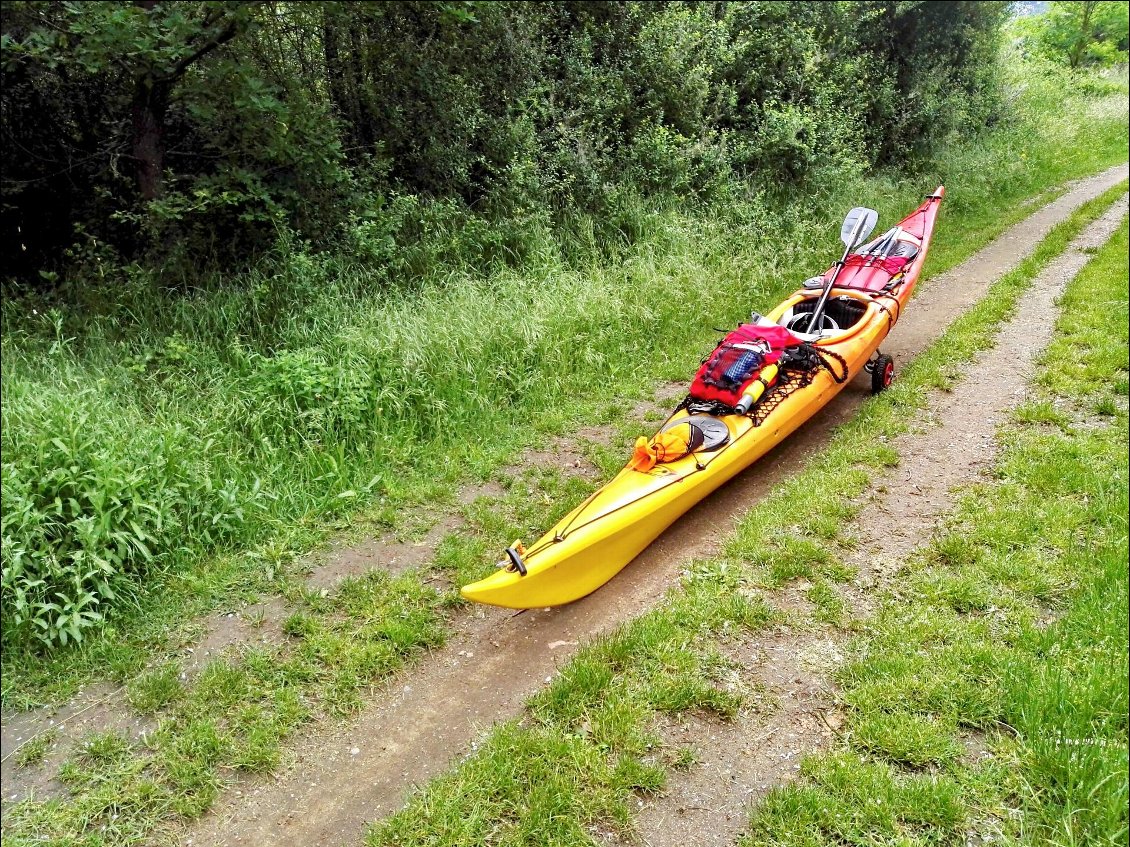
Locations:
{"points": [[739, 372], [757, 389]]}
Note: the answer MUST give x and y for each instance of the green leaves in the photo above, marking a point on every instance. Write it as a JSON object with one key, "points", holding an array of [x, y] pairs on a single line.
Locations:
{"points": [[87, 512], [1079, 33]]}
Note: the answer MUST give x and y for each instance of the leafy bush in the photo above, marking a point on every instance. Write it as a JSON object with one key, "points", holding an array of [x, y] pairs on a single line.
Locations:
{"points": [[91, 500]]}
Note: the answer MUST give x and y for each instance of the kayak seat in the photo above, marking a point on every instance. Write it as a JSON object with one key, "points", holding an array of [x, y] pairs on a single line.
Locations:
{"points": [[840, 313]]}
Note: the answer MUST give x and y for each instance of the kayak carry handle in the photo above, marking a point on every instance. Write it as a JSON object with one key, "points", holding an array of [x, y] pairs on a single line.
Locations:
{"points": [[516, 562]]}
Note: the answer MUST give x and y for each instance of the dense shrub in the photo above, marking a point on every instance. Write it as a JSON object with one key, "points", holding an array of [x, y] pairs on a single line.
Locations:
{"points": [[185, 133], [90, 506]]}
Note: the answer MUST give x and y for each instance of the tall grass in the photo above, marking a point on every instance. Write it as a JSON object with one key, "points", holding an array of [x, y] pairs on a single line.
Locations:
{"points": [[147, 429]]}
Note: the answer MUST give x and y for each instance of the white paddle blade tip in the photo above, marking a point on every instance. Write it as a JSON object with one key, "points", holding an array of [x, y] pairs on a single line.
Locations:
{"points": [[858, 224]]}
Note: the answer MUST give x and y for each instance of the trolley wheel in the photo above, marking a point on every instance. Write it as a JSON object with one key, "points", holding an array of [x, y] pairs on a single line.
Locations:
{"points": [[882, 373]]}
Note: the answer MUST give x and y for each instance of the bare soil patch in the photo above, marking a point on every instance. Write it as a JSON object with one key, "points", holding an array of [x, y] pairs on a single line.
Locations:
{"points": [[394, 554], [258, 624]]}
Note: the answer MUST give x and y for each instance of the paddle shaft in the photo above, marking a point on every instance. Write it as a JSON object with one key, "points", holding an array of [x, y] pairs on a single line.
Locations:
{"points": [[818, 312], [850, 243]]}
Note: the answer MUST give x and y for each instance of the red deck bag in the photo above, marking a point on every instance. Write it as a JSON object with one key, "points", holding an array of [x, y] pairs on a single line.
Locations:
{"points": [[737, 361]]}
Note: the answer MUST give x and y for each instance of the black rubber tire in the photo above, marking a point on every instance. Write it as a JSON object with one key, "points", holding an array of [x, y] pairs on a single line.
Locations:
{"points": [[882, 373]]}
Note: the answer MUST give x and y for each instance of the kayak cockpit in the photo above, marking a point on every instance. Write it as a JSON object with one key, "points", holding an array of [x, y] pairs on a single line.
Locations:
{"points": [[844, 315]]}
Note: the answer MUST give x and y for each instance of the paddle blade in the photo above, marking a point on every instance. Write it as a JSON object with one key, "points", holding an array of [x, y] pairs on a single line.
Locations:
{"points": [[858, 225]]}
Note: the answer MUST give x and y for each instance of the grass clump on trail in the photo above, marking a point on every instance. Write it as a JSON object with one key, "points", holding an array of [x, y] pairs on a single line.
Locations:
{"points": [[1008, 635], [507, 793]]}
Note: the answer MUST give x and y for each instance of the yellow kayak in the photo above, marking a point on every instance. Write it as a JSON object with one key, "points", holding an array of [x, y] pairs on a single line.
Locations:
{"points": [[854, 305]]}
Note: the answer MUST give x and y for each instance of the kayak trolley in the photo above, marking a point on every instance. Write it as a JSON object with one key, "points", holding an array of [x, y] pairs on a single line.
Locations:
{"points": [[882, 370]]}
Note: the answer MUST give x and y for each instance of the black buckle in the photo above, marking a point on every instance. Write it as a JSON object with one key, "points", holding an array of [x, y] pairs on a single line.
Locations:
{"points": [[516, 562]]}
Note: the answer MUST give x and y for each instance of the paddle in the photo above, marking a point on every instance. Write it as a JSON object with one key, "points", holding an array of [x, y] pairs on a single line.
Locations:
{"points": [[857, 226]]}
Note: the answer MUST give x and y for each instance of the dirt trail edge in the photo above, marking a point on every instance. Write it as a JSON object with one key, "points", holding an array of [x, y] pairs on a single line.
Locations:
{"points": [[341, 779], [743, 759]]}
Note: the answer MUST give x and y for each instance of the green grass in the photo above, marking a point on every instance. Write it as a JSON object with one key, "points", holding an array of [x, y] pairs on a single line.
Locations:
{"points": [[588, 743], [173, 453], [35, 749], [235, 715], [496, 796], [1010, 628]]}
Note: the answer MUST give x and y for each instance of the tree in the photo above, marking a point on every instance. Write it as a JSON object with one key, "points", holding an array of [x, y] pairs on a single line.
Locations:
{"points": [[136, 127], [171, 41], [1080, 32]]}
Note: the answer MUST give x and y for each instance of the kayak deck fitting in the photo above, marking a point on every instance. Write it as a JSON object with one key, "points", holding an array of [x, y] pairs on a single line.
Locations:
{"points": [[598, 538]]}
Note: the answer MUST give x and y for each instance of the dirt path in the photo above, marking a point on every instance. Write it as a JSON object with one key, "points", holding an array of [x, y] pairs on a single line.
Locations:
{"points": [[743, 759], [422, 722], [432, 713]]}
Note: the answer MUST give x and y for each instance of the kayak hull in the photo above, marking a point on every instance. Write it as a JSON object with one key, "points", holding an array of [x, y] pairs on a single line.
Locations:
{"points": [[596, 540], [566, 570]]}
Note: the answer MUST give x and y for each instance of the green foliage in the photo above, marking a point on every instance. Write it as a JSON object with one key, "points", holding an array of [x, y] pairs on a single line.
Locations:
{"points": [[1079, 32], [172, 130], [94, 507], [184, 134]]}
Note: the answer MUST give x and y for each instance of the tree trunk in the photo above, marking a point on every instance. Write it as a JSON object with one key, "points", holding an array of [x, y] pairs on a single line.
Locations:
{"points": [[334, 77], [150, 103], [151, 95]]}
